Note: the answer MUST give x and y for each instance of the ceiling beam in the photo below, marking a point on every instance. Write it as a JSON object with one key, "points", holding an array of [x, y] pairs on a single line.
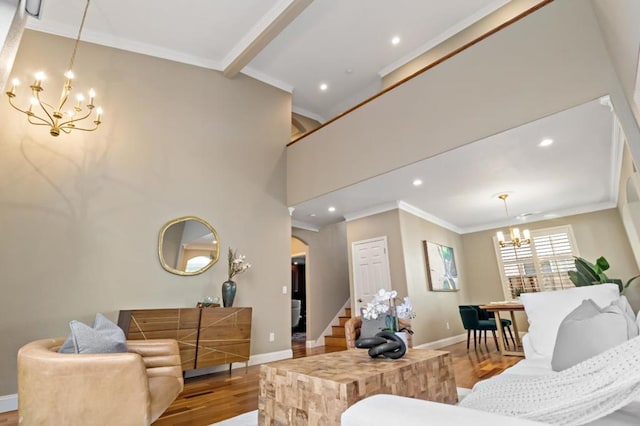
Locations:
{"points": [[265, 30]]}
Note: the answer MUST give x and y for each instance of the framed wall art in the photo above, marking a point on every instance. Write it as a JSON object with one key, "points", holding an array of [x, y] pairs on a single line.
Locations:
{"points": [[442, 273]]}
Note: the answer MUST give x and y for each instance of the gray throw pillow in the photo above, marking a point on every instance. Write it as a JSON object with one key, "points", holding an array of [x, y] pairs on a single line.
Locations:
{"points": [[589, 330], [103, 337], [371, 327]]}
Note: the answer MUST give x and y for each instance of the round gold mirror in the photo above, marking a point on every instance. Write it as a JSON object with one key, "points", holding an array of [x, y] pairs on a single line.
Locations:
{"points": [[188, 246]]}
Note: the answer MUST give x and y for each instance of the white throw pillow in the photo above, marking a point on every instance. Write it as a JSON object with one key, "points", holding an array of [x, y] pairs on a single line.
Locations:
{"points": [[589, 330], [546, 310]]}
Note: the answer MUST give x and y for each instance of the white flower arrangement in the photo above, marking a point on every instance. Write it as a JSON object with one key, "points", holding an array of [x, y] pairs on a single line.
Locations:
{"points": [[405, 310], [237, 263], [384, 304]]}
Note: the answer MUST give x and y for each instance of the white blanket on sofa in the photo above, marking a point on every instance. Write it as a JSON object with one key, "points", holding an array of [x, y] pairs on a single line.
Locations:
{"points": [[580, 394]]}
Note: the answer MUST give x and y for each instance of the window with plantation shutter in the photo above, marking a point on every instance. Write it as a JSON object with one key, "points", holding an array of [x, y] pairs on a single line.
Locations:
{"points": [[539, 266]]}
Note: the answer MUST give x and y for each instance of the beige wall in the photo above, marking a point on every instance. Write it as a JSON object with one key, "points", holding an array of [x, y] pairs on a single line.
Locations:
{"points": [[297, 247], [80, 214], [306, 125], [327, 275], [385, 224], [405, 233], [597, 234], [549, 61], [434, 309], [507, 12], [620, 25]]}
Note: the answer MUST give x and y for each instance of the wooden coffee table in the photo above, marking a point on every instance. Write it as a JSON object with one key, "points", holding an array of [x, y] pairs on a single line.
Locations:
{"points": [[317, 389]]}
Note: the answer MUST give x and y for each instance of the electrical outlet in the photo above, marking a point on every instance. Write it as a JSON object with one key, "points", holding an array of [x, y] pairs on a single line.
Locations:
{"points": [[448, 328], [272, 336], [284, 289]]}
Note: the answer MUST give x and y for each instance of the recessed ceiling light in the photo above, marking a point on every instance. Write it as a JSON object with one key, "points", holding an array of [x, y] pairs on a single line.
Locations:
{"points": [[395, 40], [312, 215], [417, 182], [348, 70], [331, 209], [545, 142], [324, 87]]}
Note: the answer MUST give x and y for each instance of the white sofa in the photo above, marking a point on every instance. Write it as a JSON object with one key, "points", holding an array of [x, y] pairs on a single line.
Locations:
{"points": [[545, 315]]}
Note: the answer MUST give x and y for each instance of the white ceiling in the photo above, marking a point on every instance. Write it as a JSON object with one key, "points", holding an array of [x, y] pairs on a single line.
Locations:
{"points": [[578, 173], [326, 38]]}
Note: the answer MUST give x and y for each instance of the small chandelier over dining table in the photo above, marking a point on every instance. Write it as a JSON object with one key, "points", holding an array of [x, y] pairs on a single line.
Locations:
{"points": [[514, 233], [55, 116]]}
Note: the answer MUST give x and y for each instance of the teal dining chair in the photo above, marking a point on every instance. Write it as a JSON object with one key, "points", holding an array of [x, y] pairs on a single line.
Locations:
{"points": [[472, 322]]}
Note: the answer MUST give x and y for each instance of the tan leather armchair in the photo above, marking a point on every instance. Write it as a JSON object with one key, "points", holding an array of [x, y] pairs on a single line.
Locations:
{"points": [[354, 324], [132, 388]]}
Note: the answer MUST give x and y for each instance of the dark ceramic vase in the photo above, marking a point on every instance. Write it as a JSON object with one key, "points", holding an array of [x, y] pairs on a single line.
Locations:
{"points": [[228, 293]]}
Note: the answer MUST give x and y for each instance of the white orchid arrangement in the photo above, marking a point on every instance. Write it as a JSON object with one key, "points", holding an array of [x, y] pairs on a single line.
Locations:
{"points": [[237, 263], [384, 304], [405, 310]]}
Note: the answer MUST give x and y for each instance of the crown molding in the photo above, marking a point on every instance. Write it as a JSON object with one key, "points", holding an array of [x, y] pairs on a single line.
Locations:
{"points": [[589, 208], [304, 225], [320, 119], [406, 207], [380, 208], [450, 32], [409, 208], [123, 44], [267, 79]]}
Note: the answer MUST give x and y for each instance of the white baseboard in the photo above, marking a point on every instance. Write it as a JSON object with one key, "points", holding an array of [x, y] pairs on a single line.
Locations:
{"points": [[269, 357], [253, 360], [8, 403], [443, 342], [315, 343]]}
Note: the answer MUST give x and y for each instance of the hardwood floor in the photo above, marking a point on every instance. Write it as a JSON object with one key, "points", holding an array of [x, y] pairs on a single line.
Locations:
{"points": [[212, 398]]}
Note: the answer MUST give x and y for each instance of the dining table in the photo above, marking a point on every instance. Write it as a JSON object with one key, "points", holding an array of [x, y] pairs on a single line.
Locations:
{"points": [[501, 308]]}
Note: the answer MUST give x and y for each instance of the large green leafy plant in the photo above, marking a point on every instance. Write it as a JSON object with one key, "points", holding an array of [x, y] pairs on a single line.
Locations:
{"points": [[588, 273]]}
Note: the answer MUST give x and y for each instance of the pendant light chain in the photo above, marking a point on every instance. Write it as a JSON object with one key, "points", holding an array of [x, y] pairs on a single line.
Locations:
{"points": [[75, 48]]}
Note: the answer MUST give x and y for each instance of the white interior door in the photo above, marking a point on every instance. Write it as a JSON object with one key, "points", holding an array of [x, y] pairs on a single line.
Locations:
{"points": [[370, 269]]}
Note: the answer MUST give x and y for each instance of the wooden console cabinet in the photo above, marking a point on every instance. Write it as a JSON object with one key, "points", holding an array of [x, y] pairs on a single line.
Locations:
{"points": [[206, 336]]}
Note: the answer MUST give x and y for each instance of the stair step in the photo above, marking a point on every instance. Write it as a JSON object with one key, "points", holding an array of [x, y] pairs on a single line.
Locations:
{"points": [[347, 312], [343, 320], [337, 330], [335, 341]]}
